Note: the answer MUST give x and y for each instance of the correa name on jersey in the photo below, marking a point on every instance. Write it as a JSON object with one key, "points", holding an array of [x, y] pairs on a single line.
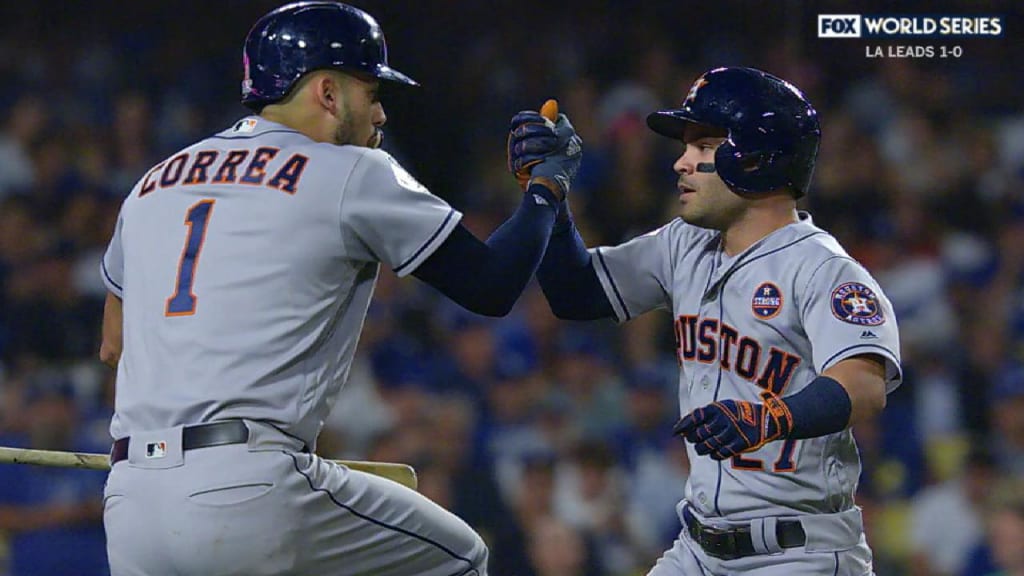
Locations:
{"points": [[241, 166]]}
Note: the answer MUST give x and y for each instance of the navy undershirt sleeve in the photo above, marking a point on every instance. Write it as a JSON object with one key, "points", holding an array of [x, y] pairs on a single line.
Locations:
{"points": [[822, 408], [488, 278], [568, 279]]}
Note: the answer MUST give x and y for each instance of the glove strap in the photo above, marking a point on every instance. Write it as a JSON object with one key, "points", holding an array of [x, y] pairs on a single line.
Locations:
{"points": [[775, 409], [557, 193]]}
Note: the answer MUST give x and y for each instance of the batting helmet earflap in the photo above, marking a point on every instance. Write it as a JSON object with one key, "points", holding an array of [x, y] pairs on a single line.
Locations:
{"points": [[301, 37], [773, 131]]}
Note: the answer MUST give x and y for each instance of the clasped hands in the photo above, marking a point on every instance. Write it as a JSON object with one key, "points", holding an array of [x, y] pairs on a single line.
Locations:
{"points": [[542, 151]]}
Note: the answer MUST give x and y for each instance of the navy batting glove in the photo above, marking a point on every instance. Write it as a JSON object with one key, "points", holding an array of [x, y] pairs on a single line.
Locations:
{"points": [[531, 137], [728, 427], [558, 169], [534, 140]]}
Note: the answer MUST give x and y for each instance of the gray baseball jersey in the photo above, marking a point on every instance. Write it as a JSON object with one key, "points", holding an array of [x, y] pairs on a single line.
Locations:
{"points": [[773, 317], [246, 264]]}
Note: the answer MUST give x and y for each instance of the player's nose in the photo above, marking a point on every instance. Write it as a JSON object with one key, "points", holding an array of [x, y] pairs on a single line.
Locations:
{"points": [[379, 118], [683, 165]]}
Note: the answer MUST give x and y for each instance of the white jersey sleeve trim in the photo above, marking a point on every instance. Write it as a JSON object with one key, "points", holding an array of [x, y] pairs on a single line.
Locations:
{"points": [[610, 289], [112, 261], [113, 286], [436, 239]]}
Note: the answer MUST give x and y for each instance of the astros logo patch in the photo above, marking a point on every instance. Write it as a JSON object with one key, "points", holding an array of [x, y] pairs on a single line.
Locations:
{"points": [[857, 304], [767, 301], [692, 94]]}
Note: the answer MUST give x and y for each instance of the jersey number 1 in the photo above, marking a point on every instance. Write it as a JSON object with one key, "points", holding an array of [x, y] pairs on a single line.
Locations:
{"points": [[183, 301]]}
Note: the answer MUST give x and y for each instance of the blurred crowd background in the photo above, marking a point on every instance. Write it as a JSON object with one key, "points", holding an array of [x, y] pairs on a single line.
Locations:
{"points": [[551, 438]]}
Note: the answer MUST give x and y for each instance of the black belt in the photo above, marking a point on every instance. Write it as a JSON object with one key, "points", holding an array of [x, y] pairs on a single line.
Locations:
{"points": [[732, 543], [199, 436]]}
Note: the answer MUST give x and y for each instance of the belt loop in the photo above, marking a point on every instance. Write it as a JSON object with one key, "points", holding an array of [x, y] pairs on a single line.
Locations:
{"points": [[764, 537], [680, 507]]}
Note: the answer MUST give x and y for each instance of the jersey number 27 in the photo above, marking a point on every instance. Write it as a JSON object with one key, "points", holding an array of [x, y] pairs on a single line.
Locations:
{"points": [[183, 301], [784, 463]]}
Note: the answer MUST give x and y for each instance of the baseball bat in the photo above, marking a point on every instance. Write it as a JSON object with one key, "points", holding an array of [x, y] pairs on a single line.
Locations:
{"points": [[550, 111], [401, 473]]}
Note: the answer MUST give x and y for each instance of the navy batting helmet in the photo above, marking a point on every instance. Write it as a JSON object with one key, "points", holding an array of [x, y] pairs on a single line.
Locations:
{"points": [[773, 130], [304, 36]]}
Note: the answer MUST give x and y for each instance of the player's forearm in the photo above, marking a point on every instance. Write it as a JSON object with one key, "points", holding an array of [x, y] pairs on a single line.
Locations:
{"points": [[863, 378], [848, 393], [488, 278], [568, 279]]}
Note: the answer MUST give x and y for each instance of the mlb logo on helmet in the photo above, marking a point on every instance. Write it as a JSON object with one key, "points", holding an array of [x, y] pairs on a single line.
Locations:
{"points": [[838, 25], [246, 78]]}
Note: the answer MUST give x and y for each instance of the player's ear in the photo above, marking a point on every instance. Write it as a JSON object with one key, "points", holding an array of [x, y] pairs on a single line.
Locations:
{"points": [[327, 89]]}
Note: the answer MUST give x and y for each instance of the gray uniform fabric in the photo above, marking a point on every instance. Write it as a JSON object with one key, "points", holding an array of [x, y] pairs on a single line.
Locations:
{"points": [[773, 317], [246, 264]]}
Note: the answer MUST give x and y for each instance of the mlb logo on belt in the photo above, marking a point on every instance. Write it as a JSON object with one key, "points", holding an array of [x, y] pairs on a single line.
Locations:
{"points": [[156, 449]]}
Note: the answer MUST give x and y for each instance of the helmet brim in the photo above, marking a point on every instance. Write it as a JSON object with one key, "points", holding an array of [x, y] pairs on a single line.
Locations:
{"points": [[389, 74], [670, 123]]}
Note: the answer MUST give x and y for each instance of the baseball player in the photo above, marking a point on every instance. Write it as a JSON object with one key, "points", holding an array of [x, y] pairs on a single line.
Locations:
{"points": [[240, 272], [783, 340]]}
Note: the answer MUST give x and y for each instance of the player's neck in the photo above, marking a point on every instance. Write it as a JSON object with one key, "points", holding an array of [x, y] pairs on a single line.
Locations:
{"points": [[758, 221], [296, 120]]}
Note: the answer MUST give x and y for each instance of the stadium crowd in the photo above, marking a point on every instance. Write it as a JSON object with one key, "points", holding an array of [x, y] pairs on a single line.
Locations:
{"points": [[551, 438]]}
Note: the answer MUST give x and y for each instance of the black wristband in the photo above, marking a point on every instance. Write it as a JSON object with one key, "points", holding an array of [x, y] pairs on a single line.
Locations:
{"points": [[537, 189]]}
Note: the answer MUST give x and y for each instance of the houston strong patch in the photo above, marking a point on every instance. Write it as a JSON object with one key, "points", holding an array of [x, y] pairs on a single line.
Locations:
{"points": [[767, 301]]}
